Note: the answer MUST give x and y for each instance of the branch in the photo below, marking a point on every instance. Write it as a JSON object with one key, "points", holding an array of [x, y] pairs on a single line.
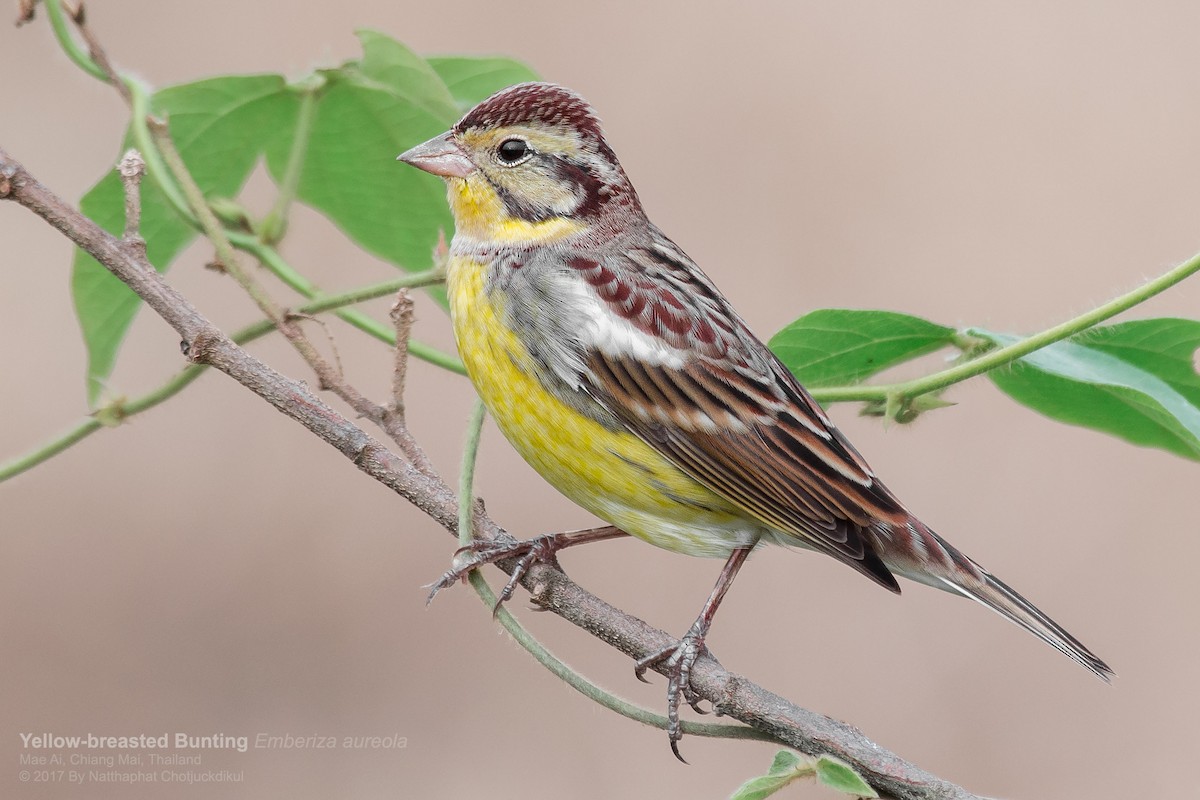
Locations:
{"points": [[122, 409], [202, 343]]}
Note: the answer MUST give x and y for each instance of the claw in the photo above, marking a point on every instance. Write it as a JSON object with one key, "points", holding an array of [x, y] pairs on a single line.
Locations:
{"points": [[480, 552], [679, 660], [465, 560], [675, 750], [540, 549], [640, 666]]}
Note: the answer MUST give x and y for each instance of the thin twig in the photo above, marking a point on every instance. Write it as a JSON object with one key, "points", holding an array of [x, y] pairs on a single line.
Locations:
{"points": [[79, 17], [393, 420], [62, 32], [329, 377], [401, 315], [132, 168], [270, 258], [732, 694], [330, 339]]}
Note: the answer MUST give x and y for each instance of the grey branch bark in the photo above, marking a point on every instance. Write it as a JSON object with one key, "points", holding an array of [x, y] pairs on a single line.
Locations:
{"points": [[413, 479]]}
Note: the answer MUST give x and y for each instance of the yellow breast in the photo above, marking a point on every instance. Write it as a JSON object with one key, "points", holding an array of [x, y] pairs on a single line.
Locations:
{"points": [[613, 474]]}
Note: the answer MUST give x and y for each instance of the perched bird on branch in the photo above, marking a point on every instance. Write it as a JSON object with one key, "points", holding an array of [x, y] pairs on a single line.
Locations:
{"points": [[624, 377]]}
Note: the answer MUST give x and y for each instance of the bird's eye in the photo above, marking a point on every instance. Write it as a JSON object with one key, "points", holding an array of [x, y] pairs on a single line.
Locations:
{"points": [[512, 150]]}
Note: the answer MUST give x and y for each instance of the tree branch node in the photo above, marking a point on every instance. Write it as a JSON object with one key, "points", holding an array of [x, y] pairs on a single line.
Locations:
{"points": [[200, 348], [9, 172]]}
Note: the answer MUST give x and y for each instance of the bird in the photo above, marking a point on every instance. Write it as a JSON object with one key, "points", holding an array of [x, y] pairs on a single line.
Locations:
{"points": [[625, 378]]}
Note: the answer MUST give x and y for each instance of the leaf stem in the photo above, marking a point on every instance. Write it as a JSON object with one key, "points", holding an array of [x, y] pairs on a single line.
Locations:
{"points": [[273, 261], [62, 32], [274, 224], [213, 230], [156, 168], [50, 449], [466, 475], [594, 692], [899, 393]]}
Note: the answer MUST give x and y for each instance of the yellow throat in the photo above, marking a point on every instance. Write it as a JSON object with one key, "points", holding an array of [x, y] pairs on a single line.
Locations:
{"points": [[479, 214]]}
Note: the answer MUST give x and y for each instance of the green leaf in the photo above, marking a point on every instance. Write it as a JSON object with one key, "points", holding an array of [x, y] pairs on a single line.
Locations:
{"points": [[472, 79], [1135, 380], [835, 346], [1166, 347], [786, 761], [404, 72], [837, 774], [350, 172], [785, 768], [220, 127], [760, 787], [364, 115]]}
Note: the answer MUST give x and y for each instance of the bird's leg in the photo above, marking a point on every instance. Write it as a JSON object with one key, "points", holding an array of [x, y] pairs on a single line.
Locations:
{"points": [[680, 658], [528, 552]]}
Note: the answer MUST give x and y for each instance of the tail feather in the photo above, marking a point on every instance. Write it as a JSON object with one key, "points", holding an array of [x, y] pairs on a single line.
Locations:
{"points": [[998, 596], [927, 558]]}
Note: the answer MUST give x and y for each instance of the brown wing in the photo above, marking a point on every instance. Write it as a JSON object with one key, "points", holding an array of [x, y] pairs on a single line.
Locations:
{"points": [[721, 407]]}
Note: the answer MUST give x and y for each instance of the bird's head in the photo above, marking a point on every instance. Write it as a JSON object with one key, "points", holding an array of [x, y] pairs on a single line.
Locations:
{"points": [[530, 164]]}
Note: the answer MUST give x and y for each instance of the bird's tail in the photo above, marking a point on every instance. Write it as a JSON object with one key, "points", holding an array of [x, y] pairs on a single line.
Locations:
{"points": [[998, 596], [959, 574]]}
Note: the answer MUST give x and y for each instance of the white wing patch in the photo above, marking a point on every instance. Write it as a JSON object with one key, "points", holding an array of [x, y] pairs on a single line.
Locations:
{"points": [[602, 330]]}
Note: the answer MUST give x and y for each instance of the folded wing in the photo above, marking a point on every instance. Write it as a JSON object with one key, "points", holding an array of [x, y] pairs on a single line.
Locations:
{"points": [[682, 371]]}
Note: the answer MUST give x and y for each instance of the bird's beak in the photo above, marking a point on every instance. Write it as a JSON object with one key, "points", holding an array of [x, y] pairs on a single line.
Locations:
{"points": [[439, 156]]}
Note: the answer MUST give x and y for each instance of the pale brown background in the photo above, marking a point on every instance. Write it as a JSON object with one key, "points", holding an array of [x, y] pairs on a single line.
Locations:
{"points": [[211, 568]]}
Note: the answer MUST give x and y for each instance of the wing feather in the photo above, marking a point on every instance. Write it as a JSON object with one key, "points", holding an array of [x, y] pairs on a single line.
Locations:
{"points": [[722, 408]]}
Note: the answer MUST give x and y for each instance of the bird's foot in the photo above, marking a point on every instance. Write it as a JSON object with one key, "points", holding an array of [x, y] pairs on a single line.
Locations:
{"points": [[678, 660], [540, 549], [527, 552]]}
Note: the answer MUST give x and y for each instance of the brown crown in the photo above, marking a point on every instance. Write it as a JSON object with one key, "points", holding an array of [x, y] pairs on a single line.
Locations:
{"points": [[526, 103]]}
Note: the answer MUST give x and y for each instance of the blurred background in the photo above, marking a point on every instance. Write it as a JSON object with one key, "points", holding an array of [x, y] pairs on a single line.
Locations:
{"points": [[211, 568]]}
